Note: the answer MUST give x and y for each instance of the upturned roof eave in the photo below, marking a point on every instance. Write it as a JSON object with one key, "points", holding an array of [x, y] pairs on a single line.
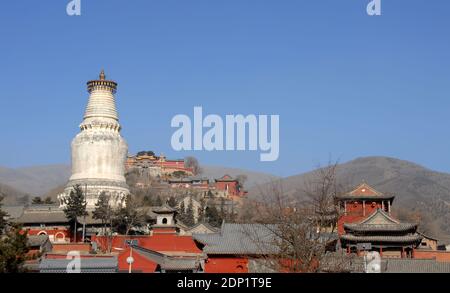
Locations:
{"points": [[410, 239], [364, 197], [404, 227]]}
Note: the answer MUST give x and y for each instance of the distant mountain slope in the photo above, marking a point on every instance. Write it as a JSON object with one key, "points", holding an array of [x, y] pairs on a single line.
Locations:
{"points": [[35, 181], [408, 181], [415, 187], [12, 196]]}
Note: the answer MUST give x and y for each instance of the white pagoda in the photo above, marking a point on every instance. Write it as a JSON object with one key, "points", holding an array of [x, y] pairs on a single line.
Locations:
{"points": [[99, 151]]}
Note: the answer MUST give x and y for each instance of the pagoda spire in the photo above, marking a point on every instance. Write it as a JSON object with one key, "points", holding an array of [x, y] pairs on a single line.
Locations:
{"points": [[102, 75], [101, 107]]}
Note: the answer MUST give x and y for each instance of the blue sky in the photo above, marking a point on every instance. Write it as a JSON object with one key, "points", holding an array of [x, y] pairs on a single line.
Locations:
{"points": [[345, 84]]}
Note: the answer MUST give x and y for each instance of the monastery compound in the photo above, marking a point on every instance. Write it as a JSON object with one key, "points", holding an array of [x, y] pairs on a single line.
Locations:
{"points": [[100, 161]]}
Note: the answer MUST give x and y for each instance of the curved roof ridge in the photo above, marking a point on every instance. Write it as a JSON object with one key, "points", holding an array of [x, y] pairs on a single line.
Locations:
{"points": [[377, 213]]}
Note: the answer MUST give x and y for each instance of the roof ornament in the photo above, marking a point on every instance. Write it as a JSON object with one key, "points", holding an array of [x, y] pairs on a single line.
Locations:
{"points": [[102, 75]]}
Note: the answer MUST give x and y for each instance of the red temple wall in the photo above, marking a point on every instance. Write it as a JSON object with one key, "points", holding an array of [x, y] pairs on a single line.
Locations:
{"points": [[355, 213], [140, 264], [224, 264], [232, 187], [440, 256], [356, 208], [157, 242], [82, 247], [60, 233]]}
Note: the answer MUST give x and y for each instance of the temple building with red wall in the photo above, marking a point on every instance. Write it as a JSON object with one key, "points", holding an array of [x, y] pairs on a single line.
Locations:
{"points": [[360, 203], [237, 248], [47, 220], [366, 224], [162, 251], [229, 185]]}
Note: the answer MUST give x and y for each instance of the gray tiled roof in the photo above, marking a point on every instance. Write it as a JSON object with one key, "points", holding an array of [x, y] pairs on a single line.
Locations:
{"points": [[427, 236], [416, 266], [169, 262], [336, 262], [206, 225], [42, 217], [36, 240], [180, 180], [390, 265], [380, 221], [48, 214], [358, 193], [240, 239], [88, 265], [226, 178], [199, 178], [13, 212]]}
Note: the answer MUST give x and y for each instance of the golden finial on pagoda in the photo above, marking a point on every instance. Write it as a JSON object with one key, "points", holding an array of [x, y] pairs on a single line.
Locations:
{"points": [[102, 82]]}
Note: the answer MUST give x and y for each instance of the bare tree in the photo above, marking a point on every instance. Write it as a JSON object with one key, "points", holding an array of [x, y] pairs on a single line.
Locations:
{"points": [[192, 162], [241, 178], [303, 227], [129, 215], [104, 212]]}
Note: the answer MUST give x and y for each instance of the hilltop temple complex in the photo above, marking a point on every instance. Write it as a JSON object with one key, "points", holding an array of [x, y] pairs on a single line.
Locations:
{"points": [[157, 166], [161, 242]]}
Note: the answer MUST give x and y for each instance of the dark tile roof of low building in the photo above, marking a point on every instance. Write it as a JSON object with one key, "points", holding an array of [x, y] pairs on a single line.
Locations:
{"points": [[416, 266], [37, 240], [169, 263], [387, 265], [42, 217], [253, 239], [180, 180], [206, 225], [13, 212], [88, 265], [427, 236]]}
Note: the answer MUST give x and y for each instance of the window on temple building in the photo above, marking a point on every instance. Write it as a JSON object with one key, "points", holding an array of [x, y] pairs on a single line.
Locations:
{"points": [[164, 221]]}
